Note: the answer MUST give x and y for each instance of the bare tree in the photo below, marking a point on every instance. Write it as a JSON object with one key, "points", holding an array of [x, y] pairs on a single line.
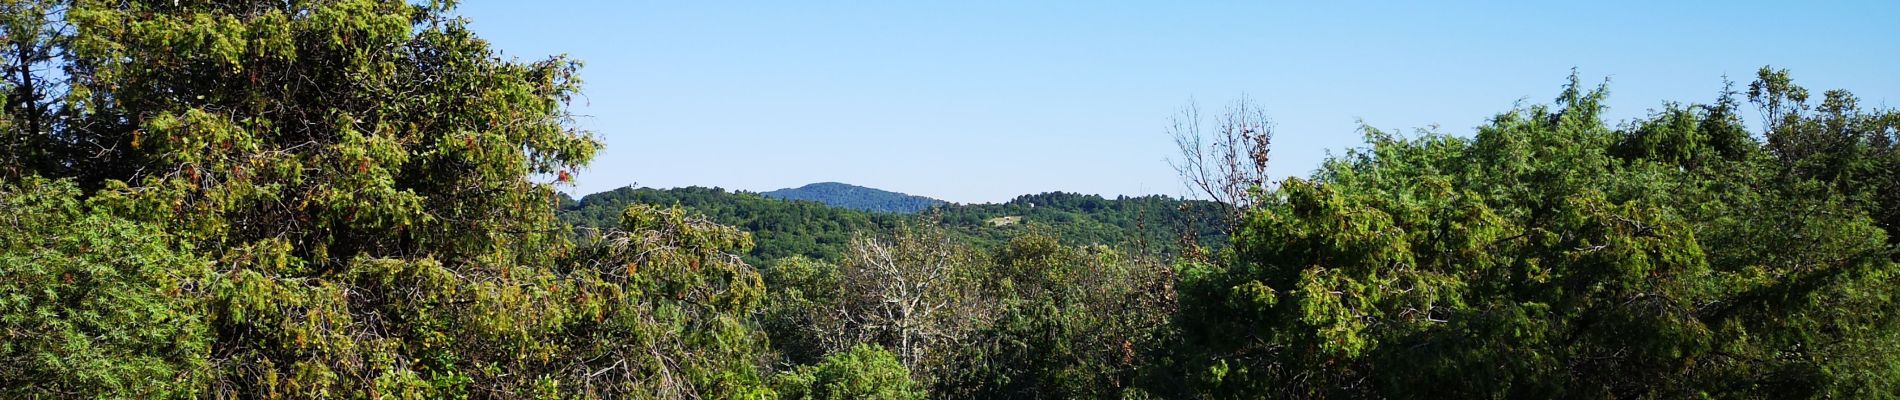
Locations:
{"points": [[910, 291], [1227, 164]]}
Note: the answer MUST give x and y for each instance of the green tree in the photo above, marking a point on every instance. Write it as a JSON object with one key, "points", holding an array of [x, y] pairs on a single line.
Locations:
{"points": [[309, 146], [862, 372], [371, 190], [1851, 153], [29, 136], [92, 305], [660, 309], [1549, 256], [803, 309], [1072, 322]]}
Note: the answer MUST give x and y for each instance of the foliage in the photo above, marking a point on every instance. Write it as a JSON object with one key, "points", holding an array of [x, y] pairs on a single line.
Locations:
{"points": [[862, 372], [1072, 322], [1147, 224], [359, 170], [93, 305], [803, 313], [781, 228], [1850, 153], [1550, 256], [33, 37], [362, 178], [1037, 319], [661, 309], [1153, 225]]}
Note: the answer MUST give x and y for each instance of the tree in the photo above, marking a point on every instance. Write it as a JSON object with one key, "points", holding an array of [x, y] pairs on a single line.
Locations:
{"points": [[1072, 322], [660, 309], [92, 305], [1853, 154], [29, 137], [802, 311], [1549, 256], [1229, 164], [365, 177], [862, 372], [915, 292]]}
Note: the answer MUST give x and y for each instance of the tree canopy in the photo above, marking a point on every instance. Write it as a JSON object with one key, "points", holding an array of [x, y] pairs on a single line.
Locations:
{"points": [[1554, 256]]}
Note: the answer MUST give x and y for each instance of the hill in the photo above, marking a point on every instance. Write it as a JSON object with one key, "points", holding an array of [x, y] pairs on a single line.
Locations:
{"points": [[1149, 224], [781, 228], [856, 197]]}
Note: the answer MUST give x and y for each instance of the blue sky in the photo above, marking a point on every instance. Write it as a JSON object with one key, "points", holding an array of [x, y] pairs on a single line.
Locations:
{"points": [[980, 101]]}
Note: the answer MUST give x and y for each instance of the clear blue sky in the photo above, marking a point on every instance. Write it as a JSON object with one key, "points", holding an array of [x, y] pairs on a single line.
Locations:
{"points": [[980, 101]]}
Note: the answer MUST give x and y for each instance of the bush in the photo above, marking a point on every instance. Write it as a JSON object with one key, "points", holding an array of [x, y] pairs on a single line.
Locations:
{"points": [[863, 372], [92, 305]]}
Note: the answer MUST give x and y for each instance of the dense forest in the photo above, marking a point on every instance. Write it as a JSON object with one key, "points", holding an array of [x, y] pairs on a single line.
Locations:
{"points": [[782, 228], [358, 199], [779, 228]]}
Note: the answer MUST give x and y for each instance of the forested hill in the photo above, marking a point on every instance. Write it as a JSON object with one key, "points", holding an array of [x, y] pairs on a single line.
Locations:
{"points": [[1147, 223], [780, 228], [796, 227], [856, 197]]}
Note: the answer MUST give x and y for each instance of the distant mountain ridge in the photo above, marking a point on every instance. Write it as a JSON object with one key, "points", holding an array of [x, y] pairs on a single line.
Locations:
{"points": [[856, 197]]}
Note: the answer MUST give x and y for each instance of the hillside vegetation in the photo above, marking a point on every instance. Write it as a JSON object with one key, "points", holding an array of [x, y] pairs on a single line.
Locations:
{"points": [[357, 199], [783, 228], [779, 228]]}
